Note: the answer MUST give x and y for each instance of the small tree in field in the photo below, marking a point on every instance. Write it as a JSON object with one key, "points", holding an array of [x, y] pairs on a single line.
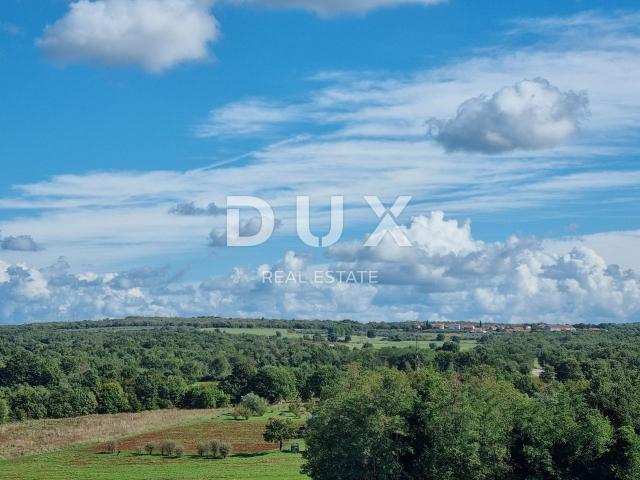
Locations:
{"points": [[112, 446], [242, 411], [169, 448], [255, 403], [202, 449], [279, 431], [219, 449], [150, 447]]}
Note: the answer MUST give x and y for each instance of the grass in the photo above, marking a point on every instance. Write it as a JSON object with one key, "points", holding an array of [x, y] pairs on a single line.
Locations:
{"points": [[424, 339], [252, 458], [89, 465], [38, 436]]}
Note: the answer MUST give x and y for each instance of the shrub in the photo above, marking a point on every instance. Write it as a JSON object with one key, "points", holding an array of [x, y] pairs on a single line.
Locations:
{"points": [[224, 449], [168, 448], [256, 404], [219, 449], [242, 411], [112, 446], [202, 449], [150, 447], [4, 411], [179, 450]]}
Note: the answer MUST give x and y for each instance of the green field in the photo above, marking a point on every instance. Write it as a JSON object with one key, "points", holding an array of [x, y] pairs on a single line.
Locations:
{"points": [[253, 458], [424, 339], [86, 464]]}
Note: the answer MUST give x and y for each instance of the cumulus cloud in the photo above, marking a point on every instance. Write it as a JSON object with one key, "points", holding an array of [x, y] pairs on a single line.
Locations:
{"points": [[189, 209], [446, 273], [450, 273], [530, 115], [20, 243], [333, 7], [153, 34]]}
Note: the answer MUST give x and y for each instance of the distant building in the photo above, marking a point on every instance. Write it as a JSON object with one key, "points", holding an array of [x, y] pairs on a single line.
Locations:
{"points": [[560, 328]]}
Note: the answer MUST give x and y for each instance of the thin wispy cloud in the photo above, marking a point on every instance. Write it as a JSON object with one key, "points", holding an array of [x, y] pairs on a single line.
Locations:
{"points": [[335, 7]]}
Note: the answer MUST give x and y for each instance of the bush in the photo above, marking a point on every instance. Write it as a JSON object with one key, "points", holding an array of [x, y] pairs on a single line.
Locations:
{"points": [[224, 449], [4, 411], [219, 449], [112, 446], [242, 411], [202, 449], [256, 404], [169, 448], [150, 447], [179, 450]]}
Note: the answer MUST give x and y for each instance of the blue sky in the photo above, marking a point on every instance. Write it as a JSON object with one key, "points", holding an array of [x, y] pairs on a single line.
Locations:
{"points": [[103, 133]]}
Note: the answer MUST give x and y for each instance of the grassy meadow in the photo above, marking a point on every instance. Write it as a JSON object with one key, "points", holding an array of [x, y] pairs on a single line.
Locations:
{"points": [[468, 342], [68, 453]]}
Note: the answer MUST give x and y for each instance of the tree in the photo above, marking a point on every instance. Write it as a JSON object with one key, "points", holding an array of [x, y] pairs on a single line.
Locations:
{"points": [[204, 395], [254, 404], [29, 402], [371, 333], [450, 347], [280, 431], [625, 454], [111, 398], [145, 387], [219, 367], [359, 433], [320, 380], [71, 402], [4, 411], [440, 337], [170, 391], [274, 383], [237, 384]]}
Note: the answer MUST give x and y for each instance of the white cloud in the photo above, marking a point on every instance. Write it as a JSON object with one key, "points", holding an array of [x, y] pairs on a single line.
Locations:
{"points": [[446, 273], [531, 115], [249, 117], [333, 7], [20, 243], [189, 209], [516, 280], [155, 35]]}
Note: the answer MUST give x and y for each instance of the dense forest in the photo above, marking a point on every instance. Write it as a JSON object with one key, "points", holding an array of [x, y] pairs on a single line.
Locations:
{"points": [[538, 405]]}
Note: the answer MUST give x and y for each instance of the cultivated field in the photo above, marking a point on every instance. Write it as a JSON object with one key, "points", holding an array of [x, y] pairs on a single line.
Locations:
{"points": [[38, 436], [76, 448]]}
